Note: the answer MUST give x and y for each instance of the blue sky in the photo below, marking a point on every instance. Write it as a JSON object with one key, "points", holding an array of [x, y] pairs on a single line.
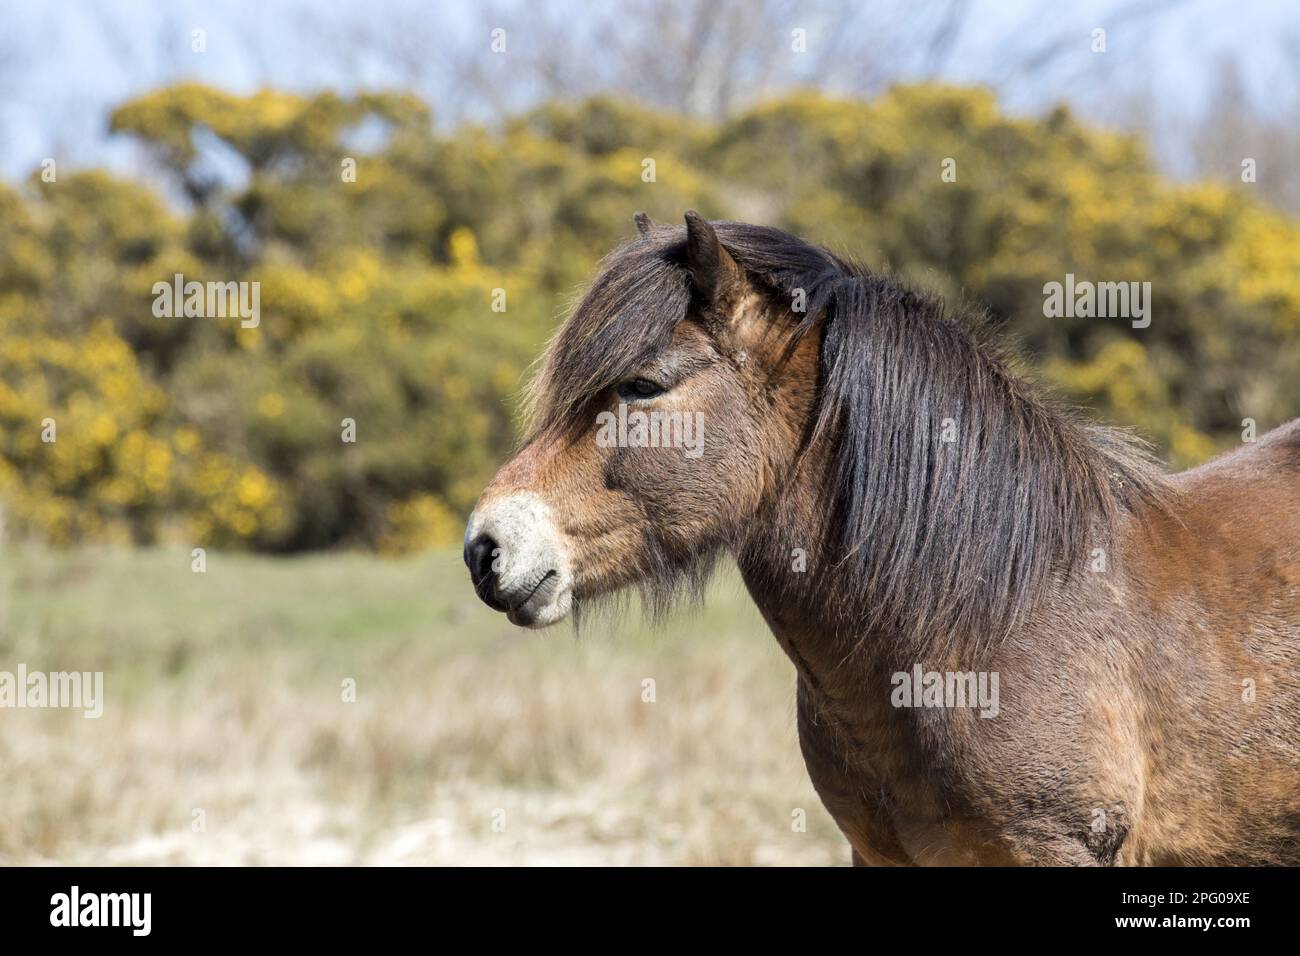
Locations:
{"points": [[64, 66]]}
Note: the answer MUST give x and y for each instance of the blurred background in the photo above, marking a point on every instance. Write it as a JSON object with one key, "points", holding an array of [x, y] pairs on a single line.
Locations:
{"points": [[382, 168]]}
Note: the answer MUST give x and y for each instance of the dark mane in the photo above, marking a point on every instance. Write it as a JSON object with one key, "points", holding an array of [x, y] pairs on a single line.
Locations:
{"points": [[936, 541], [641, 291]]}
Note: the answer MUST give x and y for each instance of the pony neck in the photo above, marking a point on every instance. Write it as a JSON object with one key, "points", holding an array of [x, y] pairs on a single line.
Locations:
{"points": [[941, 497]]}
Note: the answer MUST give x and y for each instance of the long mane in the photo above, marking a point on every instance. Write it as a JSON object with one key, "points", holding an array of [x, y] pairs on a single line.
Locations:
{"points": [[957, 491]]}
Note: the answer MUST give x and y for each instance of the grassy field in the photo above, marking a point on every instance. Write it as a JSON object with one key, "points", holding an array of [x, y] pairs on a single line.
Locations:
{"points": [[469, 742]]}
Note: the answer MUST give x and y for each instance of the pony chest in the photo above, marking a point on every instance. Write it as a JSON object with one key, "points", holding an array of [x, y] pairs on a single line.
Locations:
{"points": [[892, 807], [882, 780]]}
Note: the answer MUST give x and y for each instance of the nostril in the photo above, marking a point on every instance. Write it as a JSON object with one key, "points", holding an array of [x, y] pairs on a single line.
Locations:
{"points": [[479, 555]]}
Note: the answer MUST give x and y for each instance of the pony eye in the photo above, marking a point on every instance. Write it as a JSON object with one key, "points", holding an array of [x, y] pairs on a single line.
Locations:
{"points": [[640, 388]]}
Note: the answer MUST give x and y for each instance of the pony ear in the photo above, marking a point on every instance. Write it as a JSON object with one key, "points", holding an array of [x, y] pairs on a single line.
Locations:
{"points": [[712, 269], [643, 223]]}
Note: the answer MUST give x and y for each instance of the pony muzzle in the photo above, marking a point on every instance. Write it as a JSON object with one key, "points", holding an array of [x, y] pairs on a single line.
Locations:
{"points": [[519, 561]]}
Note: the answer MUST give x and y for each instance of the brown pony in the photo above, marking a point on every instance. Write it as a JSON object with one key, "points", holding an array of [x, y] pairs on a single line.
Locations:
{"points": [[1017, 640]]}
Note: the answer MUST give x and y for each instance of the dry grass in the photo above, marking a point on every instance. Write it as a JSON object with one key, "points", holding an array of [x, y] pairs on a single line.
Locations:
{"points": [[470, 742]]}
